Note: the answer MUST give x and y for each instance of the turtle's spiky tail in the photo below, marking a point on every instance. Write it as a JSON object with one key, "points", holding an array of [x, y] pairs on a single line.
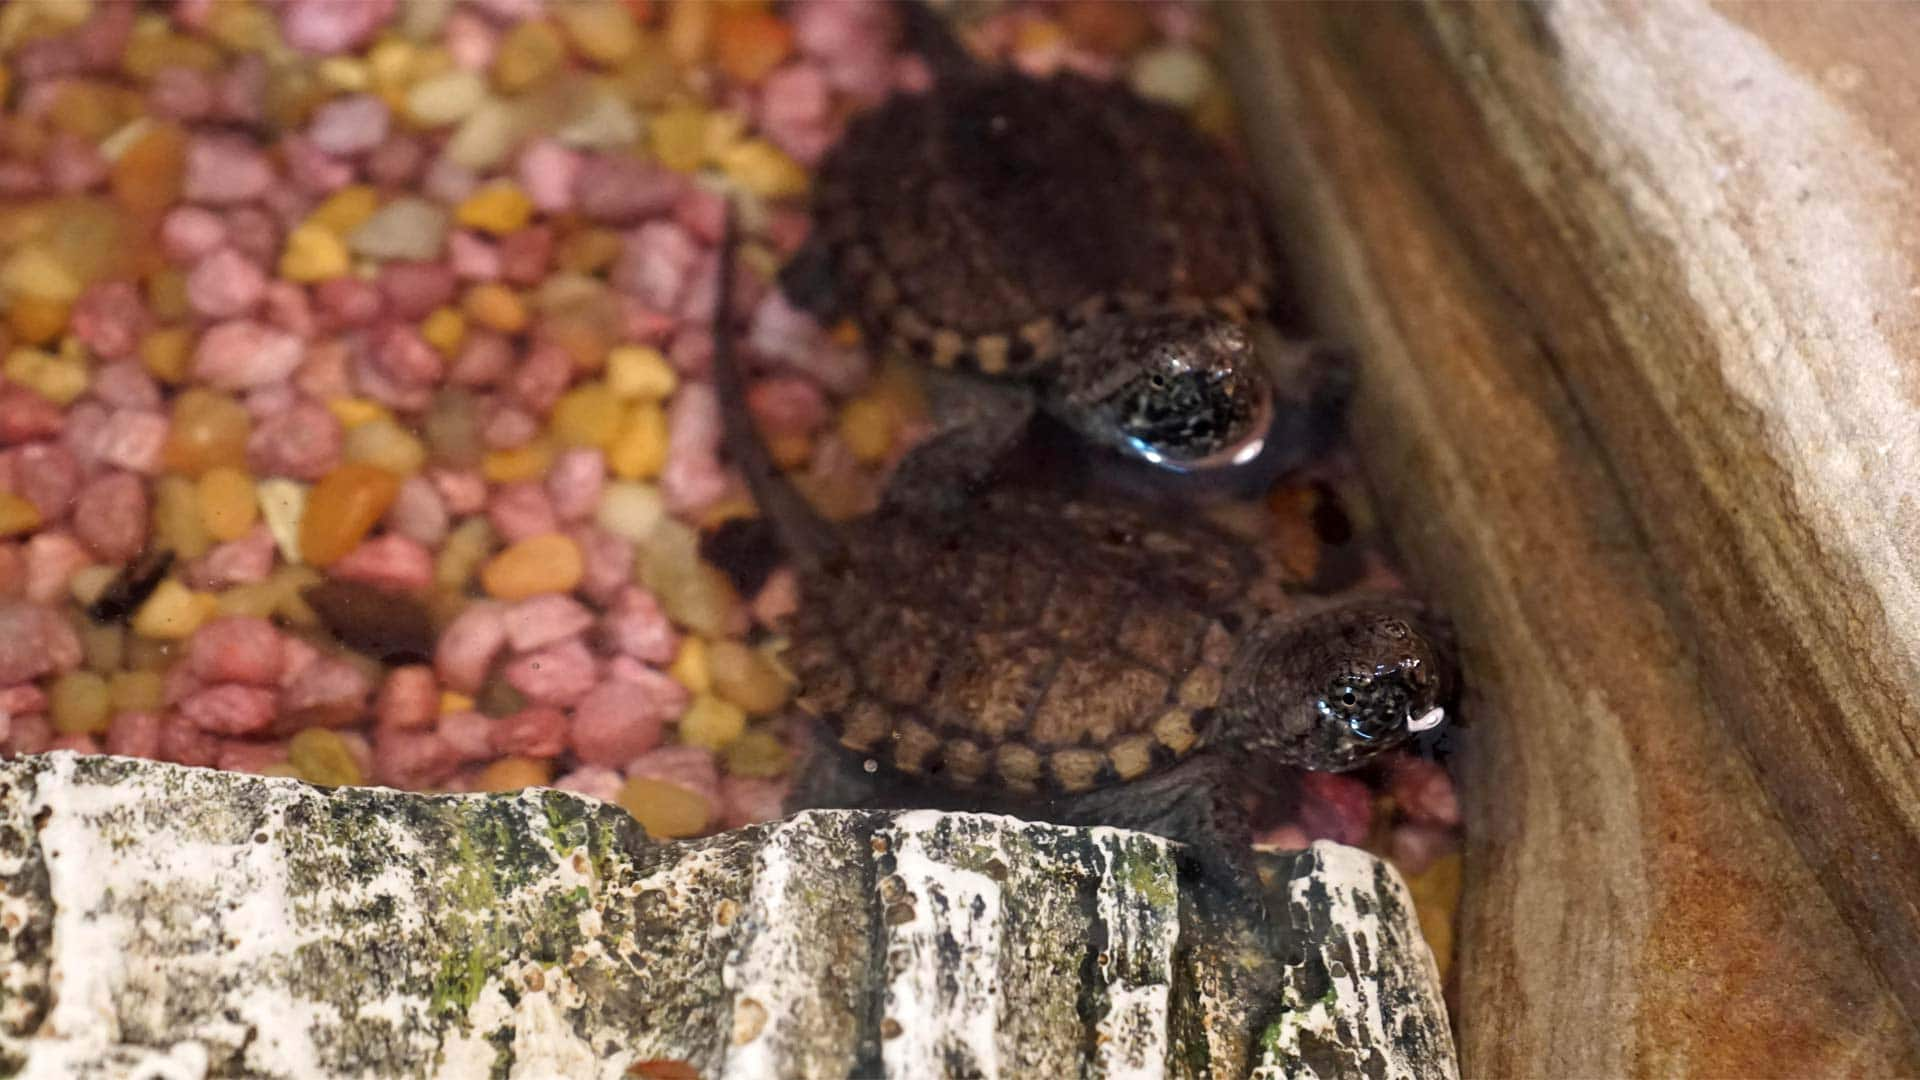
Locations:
{"points": [[926, 33], [807, 538]]}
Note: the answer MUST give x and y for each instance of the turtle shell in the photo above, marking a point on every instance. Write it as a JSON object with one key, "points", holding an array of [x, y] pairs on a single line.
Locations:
{"points": [[1030, 646], [970, 225]]}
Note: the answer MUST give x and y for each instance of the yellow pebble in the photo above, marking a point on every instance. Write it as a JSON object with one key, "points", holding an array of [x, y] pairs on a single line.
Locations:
{"points": [[763, 169], [758, 753], [603, 31], [549, 563], [866, 425], [37, 272], [678, 136], [386, 445], [587, 415], [499, 207], [520, 463], [451, 702], [496, 307], [314, 253], [531, 51], [227, 504], [712, 722], [136, 691], [666, 810], [167, 294], [80, 703], [640, 372], [17, 515], [639, 451], [59, 379], [352, 412], [173, 612], [165, 353], [88, 582], [513, 774], [177, 523], [320, 756], [746, 677], [444, 329], [346, 210], [689, 667], [345, 73]]}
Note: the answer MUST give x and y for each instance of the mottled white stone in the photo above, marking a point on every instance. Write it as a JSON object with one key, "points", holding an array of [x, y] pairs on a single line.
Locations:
{"points": [[169, 922]]}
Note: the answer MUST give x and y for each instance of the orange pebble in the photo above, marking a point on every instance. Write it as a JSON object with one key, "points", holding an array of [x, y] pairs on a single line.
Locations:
{"points": [[514, 773], [147, 177], [342, 508], [548, 563], [749, 44], [36, 320], [209, 430]]}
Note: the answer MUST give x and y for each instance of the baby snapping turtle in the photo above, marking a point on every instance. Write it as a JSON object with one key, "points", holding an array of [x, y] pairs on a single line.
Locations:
{"points": [[1070, 660], [1063, 234]]}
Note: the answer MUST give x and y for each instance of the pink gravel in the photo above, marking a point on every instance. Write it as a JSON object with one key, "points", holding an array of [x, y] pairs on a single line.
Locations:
{"points": [[638, 628], [229, 709], [237, 649], [469, 735], [240, 355], [134, 734], [418, 512], [391, 562], [237, 562], [409, 699], [620, 720], [35, 640], [109, 318], [111, 516], [182, 743], [469, 644], [574, 483], [608, 562], [535, 732], [520, 510], [304, 443], [556, 675], [328, 692], [224, 170], [224, 285], [132, 439], [543, 620], [1335, 807], [51, 560], [349, 125], [412, 759], [48, 476]]}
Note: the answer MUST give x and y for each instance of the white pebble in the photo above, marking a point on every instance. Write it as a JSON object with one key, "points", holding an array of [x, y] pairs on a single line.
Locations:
{"points": [[1175, 74], [406, 228], [446, 99]]}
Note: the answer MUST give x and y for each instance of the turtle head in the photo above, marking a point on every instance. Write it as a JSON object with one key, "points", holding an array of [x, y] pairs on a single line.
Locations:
{"points": [[1330, 691], [1182, 391]]}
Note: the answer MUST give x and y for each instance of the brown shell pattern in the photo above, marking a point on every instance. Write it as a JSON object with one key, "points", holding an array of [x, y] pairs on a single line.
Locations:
{"points": [[969, 224], [1035, 647]]}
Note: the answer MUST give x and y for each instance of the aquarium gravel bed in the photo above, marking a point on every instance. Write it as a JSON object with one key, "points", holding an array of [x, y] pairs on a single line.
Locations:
{"points": [[355, 423]]}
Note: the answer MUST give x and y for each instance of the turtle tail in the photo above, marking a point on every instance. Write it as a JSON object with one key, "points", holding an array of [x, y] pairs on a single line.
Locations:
{"points": [[806, 537], [925, 32]]}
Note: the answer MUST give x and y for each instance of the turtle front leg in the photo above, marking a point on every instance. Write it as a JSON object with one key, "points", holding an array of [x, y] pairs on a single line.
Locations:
{"points": [[1193, 804], [832, 778], [810, 282], [977, 424]]}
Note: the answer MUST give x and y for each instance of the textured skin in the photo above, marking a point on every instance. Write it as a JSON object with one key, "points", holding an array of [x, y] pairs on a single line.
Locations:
{"points": [[973, 226], [1027, 644]]}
